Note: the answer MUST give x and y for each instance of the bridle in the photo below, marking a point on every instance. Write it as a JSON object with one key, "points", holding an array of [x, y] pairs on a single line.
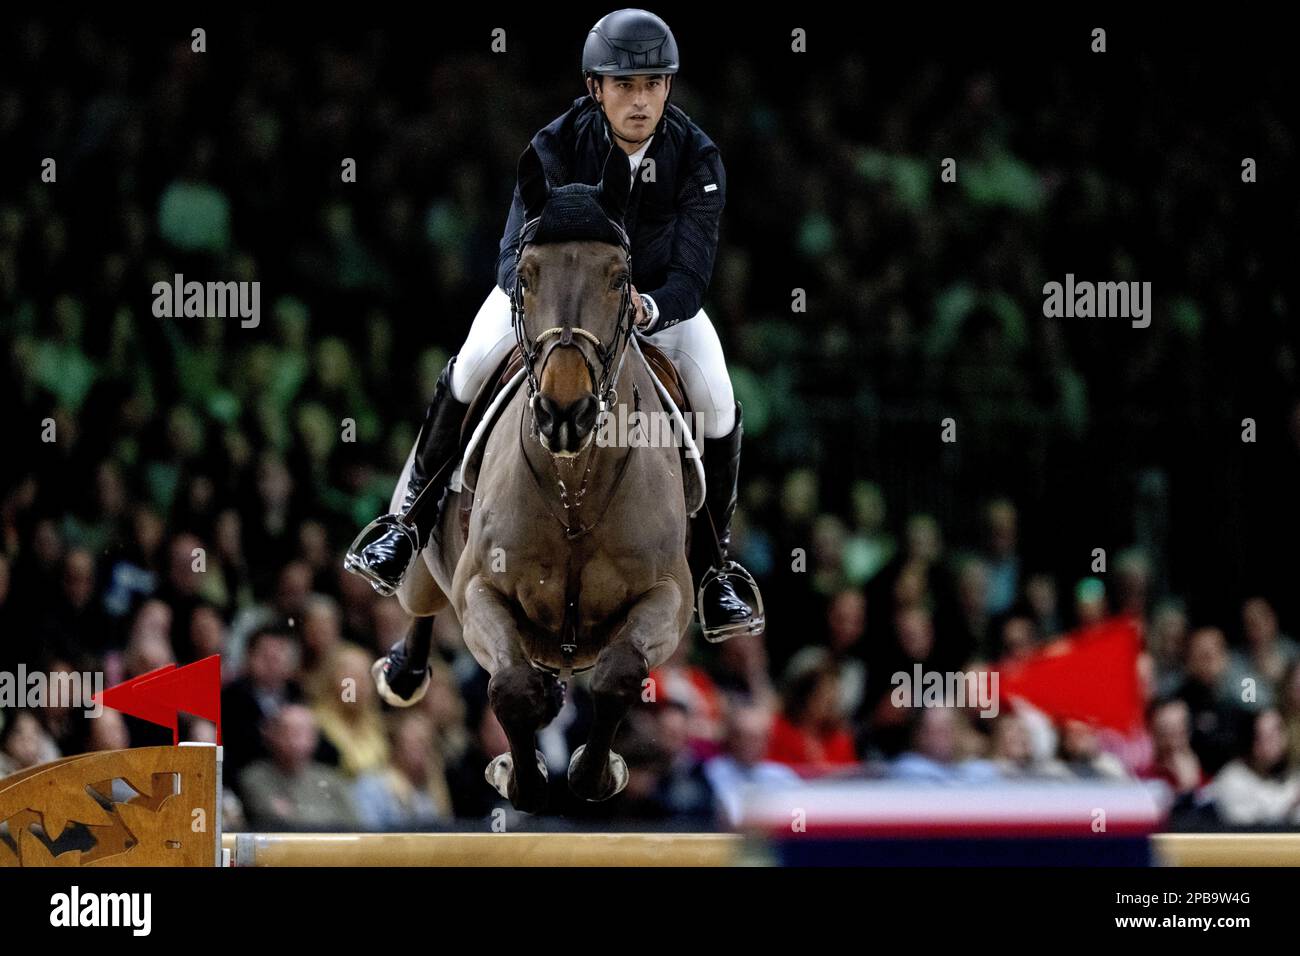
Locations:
{"points": [[606, 355], [606, 395]]}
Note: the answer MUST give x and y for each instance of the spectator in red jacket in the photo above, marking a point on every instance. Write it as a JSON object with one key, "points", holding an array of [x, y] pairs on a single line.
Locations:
{"points": [[810, 733]]}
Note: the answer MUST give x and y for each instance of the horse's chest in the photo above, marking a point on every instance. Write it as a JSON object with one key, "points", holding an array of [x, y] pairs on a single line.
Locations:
{"points": [[579, 605], [587, 595]]}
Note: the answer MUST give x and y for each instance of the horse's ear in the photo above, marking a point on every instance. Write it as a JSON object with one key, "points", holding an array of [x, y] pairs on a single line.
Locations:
{"points": [[533, 188], [615, 184]]}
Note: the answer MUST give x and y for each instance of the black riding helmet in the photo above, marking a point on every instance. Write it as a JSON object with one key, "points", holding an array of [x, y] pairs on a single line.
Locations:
{"points": [[629, 42]]}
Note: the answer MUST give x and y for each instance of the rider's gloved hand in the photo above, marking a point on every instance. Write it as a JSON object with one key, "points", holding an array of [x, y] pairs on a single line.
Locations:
{"points": [[643, 319]]}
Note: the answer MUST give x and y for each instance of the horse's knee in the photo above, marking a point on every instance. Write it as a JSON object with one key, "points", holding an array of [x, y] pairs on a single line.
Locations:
{"points": [[521, 695], [619, 673]]}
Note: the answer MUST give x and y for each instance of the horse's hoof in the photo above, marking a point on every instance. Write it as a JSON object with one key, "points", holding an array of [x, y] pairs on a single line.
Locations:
{"points": [[618, 774], [502, 768], [393, 695]]}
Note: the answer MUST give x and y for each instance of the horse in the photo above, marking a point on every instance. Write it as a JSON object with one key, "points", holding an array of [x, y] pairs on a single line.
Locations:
{"points": [[574, 558]]}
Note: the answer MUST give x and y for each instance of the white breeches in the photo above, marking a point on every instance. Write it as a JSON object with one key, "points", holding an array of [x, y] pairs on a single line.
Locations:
{"points": [[692, 346]]}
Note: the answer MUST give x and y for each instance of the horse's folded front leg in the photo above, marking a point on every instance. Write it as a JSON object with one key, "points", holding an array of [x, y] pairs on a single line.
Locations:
{"points": [[646, 639], [523, 698], [402, 676]]}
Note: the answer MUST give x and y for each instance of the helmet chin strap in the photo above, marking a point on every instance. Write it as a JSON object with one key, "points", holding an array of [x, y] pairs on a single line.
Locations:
{"points": [[618, 135]]}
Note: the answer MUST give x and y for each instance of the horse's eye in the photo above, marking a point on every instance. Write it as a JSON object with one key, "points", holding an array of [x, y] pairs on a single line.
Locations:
{"points": [[523, 284], [620, 280]]}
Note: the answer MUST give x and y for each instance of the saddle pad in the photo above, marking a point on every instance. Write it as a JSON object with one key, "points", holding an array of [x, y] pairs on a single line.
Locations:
{"points": [[693, 484], [487, 393], [499, 390]]}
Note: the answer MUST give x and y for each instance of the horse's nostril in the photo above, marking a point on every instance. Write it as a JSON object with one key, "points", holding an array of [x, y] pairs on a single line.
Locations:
{"points": [[545, 412], [584, 415], [566, 428]]}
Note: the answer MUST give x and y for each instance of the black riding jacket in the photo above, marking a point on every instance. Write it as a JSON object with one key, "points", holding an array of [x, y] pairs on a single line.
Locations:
{"points": [[672, 221]]}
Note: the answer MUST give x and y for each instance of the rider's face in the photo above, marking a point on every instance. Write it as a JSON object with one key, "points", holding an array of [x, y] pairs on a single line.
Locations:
{"points": [[633, 104]]}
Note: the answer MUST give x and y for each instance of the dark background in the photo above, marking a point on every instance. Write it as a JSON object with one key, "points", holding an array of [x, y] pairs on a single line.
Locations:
{"points": [[925, 298]]}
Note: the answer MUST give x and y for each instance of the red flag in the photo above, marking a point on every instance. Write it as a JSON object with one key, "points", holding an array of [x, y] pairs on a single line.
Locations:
{"points": [[161, 694], [130, 697], [194, 689], [1089, 675]]}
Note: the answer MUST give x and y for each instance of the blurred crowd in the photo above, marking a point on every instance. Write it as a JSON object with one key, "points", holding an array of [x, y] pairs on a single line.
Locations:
{"points": [[198, 492]]}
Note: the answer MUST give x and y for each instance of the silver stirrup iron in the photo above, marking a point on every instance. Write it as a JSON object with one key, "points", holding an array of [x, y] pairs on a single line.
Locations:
{"points": [[370, 533], [757, 620]]}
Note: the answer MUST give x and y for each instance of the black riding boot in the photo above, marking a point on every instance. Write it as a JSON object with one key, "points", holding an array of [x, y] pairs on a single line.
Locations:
{"points": [[724, 613], [383, 551]]}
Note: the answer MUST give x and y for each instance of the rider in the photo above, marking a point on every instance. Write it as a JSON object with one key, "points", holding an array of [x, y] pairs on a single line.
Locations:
{"points": [[628, 63]]}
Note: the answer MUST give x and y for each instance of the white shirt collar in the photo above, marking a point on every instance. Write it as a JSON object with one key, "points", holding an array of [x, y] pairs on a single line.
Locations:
{"points": [[635, 159]]}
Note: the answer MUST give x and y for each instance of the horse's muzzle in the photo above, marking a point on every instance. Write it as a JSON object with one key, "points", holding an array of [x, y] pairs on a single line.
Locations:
{"points": [[565, 431]]}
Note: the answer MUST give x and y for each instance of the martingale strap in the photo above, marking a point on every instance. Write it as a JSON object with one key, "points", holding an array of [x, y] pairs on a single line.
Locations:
{"points": [[571, 506]]}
